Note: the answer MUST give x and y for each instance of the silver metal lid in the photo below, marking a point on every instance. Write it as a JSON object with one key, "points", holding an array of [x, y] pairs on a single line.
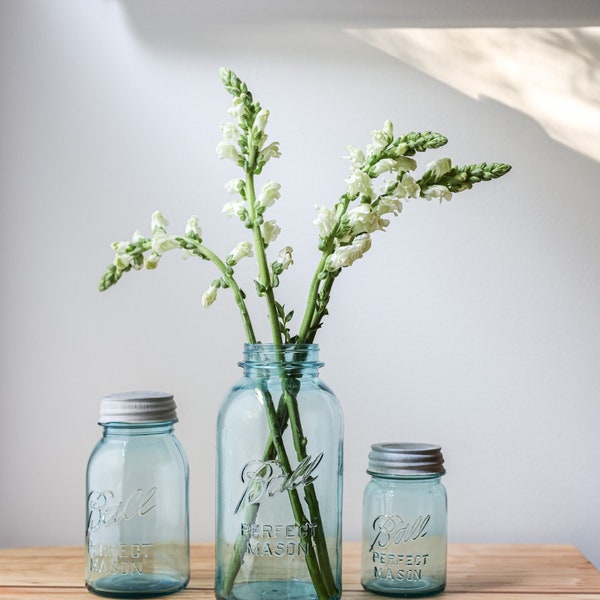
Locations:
{"points": [[406, 459], [138, 407]]}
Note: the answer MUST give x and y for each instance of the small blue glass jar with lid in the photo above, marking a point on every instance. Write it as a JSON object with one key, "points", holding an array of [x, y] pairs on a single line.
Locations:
{"points": [[404, 531], [137, 535]]}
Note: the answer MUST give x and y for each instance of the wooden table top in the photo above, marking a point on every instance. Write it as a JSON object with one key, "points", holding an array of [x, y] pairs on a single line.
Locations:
{"points": [[475, 572]]}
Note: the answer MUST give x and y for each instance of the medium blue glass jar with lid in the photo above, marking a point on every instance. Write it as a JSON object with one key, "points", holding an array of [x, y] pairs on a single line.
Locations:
{"points": [[137, 538], [404, 531]]}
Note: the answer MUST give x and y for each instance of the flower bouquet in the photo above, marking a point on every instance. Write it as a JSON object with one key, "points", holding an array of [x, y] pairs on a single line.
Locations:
{"points": [[279, 466]]}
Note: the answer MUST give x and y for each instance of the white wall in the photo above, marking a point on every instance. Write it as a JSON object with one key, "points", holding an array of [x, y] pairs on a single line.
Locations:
{"points": [[473, 324]]}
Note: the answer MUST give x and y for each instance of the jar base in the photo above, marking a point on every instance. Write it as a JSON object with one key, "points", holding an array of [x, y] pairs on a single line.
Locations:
{"points": [[149, 585], [420, 590], [288, 589]]}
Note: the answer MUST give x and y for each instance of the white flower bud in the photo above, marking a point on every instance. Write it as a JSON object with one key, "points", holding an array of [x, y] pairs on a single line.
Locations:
{"points": [[158, 221], [193, 227], [152, 261], [209, 296], [242, 250], [261, 119]]}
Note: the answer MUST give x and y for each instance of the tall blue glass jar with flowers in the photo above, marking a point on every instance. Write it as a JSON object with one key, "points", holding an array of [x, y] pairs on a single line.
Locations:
{"points": [[279, 430]]}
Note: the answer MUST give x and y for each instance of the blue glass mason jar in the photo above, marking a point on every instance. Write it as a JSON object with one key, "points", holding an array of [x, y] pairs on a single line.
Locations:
{"points": [[404, 538], [137, 539], [279, 479]]}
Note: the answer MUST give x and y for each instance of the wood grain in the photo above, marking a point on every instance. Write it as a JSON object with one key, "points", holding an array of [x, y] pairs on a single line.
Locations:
{"points": [[475, 572]]}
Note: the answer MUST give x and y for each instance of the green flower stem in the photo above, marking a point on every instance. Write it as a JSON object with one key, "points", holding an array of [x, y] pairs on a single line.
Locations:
{"points": [[261, 255], [311, 559], [310, 324], [310, 496], [251, 512], [197, 248]]}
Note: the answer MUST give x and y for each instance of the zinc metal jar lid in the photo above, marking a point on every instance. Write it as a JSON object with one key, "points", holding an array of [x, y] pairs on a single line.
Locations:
{"points": [[138, 407], [406, 459]]}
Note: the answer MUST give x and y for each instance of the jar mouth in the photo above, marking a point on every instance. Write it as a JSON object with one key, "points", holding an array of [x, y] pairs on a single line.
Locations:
{"points": [[305, 355]]}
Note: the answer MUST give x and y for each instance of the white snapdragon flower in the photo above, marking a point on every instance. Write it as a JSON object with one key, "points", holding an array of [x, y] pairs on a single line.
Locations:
{"points": [[285, 257], [234, 208], [407, 186], [405, 163], [161, 243], [192, 227], [359, 183], [270, 151], [269, 193], [230, 131], [234, 186], [209, 296], [120, 247], [388, 204], [270, 231], [137, 236], [237, 107], [344, 256], [437, 191], [325, 221], [123, 260], [381, 138], [226, 149], [151, 261], [262, 117], [385, 165], [158, 221], [356, 157], [362, 219], [242, 250], [439, 167]]}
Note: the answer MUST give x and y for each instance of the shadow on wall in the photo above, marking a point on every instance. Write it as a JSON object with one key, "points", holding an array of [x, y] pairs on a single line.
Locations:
{"points": [[552, 75]]}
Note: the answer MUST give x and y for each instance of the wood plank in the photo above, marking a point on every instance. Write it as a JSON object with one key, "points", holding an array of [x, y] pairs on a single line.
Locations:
{"points": [[502, 568], [20, 593], [474, 569]]}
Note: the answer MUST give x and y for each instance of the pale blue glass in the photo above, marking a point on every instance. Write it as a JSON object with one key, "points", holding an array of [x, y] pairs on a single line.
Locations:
{"points": [[404, 536], [279, 504], [137, 539]]}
